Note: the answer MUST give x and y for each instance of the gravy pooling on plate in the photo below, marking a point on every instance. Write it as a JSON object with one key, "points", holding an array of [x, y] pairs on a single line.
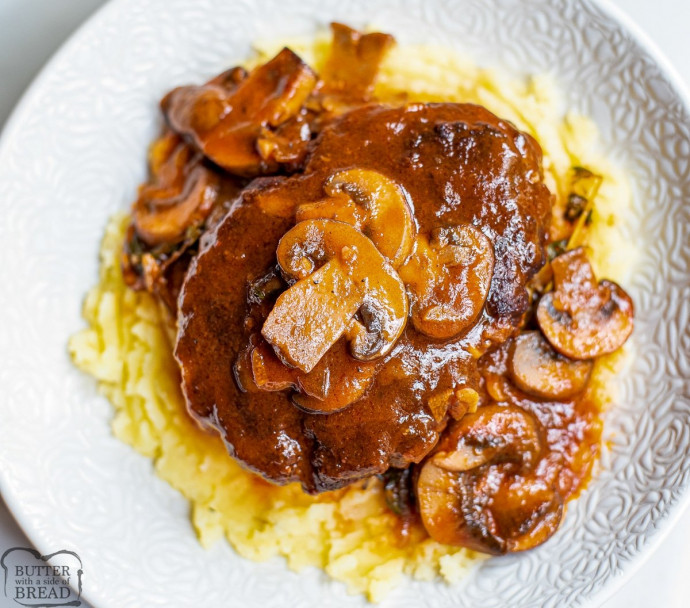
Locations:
{"points": [[365, 289]]}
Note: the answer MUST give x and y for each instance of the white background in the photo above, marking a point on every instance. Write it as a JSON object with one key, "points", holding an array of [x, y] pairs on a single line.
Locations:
{"points": [[31, 30]]}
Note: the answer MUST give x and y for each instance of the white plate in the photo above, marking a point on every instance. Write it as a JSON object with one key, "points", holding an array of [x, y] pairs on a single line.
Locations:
{"points": [[74, 152]]}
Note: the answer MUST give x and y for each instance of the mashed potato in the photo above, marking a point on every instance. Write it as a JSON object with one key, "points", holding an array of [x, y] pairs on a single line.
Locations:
{"points": [[349, 533]]}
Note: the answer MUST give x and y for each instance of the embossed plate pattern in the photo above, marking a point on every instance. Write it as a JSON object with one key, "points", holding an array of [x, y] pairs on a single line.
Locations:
{"points": [[73, 154]]}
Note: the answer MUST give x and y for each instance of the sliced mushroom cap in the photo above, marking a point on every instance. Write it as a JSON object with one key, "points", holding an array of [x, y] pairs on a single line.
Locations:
{"points": [[456, 401], [583, 319], [468, 510], [526, 513], [353, 64], [336, 382], [388, 220], [449, 279], [180, 195], [340, 207], [494, 434], [229, 79], [536, 368], [339, 273], [286, 144], [225, 122], [372, 203], [477, 489]]}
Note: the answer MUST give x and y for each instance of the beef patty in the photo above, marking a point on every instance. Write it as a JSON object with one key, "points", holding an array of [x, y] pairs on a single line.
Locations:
{"points": [[457, 164]]}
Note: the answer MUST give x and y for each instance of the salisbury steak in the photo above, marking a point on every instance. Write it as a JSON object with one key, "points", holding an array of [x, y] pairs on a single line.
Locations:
{"points": [[447, 204]]}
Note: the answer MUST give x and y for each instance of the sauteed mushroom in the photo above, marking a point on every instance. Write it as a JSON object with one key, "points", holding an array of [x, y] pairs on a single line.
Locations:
{"points": [[268, 371], [455, 401], [477, 489], [335, 382], [180, 196], [332, 385], [449, 278], [536, 368], [494, 434], [224, 118], [372, 203], [354, 62], [339, 273], [581, 318], [310, 316]]}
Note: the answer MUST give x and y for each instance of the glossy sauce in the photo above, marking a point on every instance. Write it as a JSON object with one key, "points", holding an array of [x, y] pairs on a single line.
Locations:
{"points": [[458, 164]]}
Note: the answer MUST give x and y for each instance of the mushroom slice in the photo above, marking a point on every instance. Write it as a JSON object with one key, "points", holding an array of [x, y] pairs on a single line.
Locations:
{"points": [[536, 368], [286, 144], [340, 207], [182, 199], [339, 273], [478, 489], [309, 317], [388, 217], [268, 372], [468, 510], [372, 203], [336, 381], [494, 433], [180, 195], [449, 278], [353, 64], [526, 513], [583, 319], [225, 121], [456, 401]]}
